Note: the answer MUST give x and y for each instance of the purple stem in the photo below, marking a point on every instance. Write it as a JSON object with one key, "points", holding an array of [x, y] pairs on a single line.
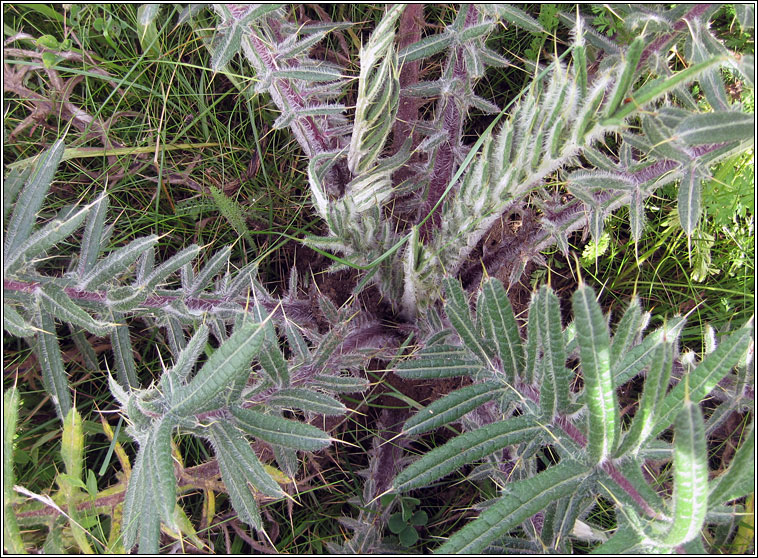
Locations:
{"points": [[299, 310]]}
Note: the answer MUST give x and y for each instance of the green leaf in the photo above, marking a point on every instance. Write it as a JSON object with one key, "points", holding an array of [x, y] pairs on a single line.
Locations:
{"points": [[14, 323], [452, 407], [161, 469], [92, 239], [340, 384], [518, 17], [31, 198], [396, 523], [716, 127], [626, 78], [274, 364], [554, 394], [705, 377], [690, 475], [169, 266], [72, 444], [466, 448], [121, 342], [135, 500], [115, 263], [627, 330], [594, 342], [48, 236], [656, 384], [307, 400], [57, 303], [283, 432], [499, 324], [523, 499], [439, 361], [12, 540], [53, 372], [425, 47], [739, 478], [186, 360], [230, 360], [230, 441]]}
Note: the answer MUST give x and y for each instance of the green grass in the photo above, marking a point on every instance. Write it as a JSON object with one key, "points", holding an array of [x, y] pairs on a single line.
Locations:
{"points": [[168, 95]]}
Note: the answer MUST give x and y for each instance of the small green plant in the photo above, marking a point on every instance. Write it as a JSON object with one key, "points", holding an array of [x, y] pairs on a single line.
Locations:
{"points": [[403, 523]]}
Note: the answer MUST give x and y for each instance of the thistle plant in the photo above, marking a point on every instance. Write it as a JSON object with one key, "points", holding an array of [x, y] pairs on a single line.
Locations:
{"points": [[553, 448], [409, 204]]}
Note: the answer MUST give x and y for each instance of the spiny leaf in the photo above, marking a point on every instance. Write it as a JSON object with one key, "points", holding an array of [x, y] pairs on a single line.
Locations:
{"points": [[53, 372], [466, 448], [227, 45], [161, 469], [224, 365], [273, 363], [56, 302], [307, 400], [277, 430], [122, 352], [626, 78], [739, 479], [439, 361], [232, 442], [340, 384], [523, 499], [31, 198], [705, 377], [425, 47], [690, 475], [599, 393], [716, 127], [115, 263], [14, 323], [452, 407], [48, 236], [517, 16], [499, 324], [554, 395], [92, 239], [169, 266], [134, 502], [656, 384], [242, 499], [12, 540]]}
